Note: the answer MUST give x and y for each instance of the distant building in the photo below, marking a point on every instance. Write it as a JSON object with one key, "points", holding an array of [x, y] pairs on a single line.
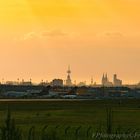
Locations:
{"points": [[11, 83], [117, 82], [26, 83], [68, 80], [105, 81], [81, 84], [57, 82]]}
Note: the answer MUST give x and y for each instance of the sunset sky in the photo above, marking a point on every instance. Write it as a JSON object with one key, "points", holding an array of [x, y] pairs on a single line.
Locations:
{"points": [[40, 38]]}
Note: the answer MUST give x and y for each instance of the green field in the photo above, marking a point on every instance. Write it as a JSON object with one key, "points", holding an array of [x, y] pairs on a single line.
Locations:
{"points": [[63, 115]]}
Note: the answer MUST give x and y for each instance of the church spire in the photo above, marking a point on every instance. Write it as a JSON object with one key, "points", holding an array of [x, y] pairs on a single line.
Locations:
{"points": [[103, 76], [106, 77]]}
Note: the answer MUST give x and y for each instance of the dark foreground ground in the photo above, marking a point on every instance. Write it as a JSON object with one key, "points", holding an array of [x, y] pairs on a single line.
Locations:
{"points": [[72, 117]]}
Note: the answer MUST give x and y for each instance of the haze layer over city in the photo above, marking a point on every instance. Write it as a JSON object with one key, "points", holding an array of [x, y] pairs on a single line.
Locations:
{"points": [[39, 39]]}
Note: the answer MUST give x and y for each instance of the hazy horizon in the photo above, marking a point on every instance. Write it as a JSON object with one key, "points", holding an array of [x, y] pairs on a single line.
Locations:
{"points": [[39, 39]]}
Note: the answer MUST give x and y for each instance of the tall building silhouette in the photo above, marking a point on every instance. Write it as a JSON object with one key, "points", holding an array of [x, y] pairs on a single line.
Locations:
{"points": [[68, 80], [57, 82], [117, 82]]}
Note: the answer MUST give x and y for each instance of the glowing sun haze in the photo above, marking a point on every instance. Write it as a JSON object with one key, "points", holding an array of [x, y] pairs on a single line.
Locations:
{"points": [[40, 38]]}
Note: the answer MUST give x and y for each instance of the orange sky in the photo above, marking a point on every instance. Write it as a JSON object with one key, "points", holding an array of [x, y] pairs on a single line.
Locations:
{"points": [[40, 38]]}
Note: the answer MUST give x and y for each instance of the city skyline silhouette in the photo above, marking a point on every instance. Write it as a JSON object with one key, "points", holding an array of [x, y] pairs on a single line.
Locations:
{"points": [[38, 39]]}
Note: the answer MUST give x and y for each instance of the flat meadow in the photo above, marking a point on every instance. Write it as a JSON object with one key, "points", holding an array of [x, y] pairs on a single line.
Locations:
{"points": [[67, 119]]}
